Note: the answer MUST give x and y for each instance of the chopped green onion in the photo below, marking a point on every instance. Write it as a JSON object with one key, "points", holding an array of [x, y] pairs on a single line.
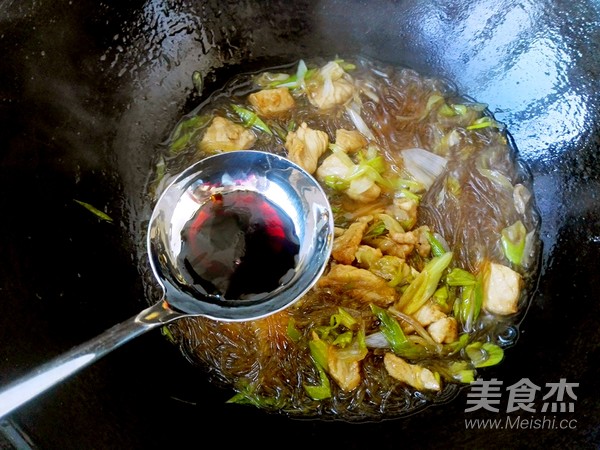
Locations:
{"points": [[391, 329], [247, 396], [197, 81], [297, 80], [185, 131], [484, 122], [318, 351], [376, 229], [513, 240], [446, 110], [408, 194], [336, 183], [344, 318], [331, 332], [424, 284], [460, 277], [441, 296], [351, 351], [251, 119], [293, 332], [457, 345], [437, 248], [403, 184], [346, 66], [468, 306], [321, 391], [459, 371], [166, 332], [484, 354], [95, 211], [452, 110], [343, 339]]}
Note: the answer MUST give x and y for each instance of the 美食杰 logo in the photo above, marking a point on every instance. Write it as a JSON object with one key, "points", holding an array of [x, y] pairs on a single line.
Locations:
{"points": [[532, 406]]}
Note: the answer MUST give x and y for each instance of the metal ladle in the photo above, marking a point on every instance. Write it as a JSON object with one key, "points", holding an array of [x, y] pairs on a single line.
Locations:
{"points": [[273, 177]]}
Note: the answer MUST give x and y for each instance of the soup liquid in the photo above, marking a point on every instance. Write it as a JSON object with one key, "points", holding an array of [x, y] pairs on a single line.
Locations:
{"points": [[239, 245]]}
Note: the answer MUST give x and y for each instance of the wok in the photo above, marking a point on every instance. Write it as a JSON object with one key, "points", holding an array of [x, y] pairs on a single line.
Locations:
{"points": [[88, 90]]}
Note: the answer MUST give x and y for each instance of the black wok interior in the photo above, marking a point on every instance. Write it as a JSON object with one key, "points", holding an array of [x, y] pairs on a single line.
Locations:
{"points": [[89, 89]]}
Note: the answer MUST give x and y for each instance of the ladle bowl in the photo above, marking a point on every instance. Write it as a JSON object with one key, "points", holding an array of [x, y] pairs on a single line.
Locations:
{"points": [[276, 179]]}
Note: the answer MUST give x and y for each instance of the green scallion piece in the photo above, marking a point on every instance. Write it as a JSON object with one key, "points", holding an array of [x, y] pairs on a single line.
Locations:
{"points": [[513, 240], [343, 339], [344, 318], [460, 277], [468, 307], [95, 211], [336, 183], [318, 351], [198, 81], [460, 371], [437, 249], [441, 296], [484, 122], [293, 332], [321, 391], [425, 284], [186, 130], [391, 329], [484, 354], [251, 119]]}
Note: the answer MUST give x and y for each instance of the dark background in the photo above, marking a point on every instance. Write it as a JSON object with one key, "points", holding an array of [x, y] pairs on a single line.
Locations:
{"points": [[89, 89]]}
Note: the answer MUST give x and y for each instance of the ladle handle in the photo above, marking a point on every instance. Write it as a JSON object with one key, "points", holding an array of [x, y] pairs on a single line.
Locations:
{"points": [[54, 371]]}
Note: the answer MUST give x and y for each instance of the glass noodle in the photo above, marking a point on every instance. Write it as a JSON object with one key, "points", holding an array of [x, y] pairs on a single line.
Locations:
{"points": [[447, 177]]}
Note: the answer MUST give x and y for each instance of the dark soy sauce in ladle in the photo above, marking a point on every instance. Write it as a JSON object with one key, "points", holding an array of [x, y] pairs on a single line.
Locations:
{"points": [[251, 230], [238, 245]]}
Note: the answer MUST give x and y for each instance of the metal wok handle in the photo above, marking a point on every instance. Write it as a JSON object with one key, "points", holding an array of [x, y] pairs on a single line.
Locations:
{"points": [[56, 370]]}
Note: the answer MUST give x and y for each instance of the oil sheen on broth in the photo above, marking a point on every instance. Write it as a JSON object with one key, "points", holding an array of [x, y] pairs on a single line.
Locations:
{"points": [[435, 255], [239, 245]]}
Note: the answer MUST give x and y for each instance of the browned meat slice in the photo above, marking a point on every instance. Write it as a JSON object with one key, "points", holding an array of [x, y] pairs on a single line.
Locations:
{"points": [[272, 102], [359, 284], [223, 134], [346, 245], [412, 374], [305, 146]]}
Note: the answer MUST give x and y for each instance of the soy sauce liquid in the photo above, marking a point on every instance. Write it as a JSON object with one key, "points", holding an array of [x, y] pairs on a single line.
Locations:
{"points": [[239, 245]]}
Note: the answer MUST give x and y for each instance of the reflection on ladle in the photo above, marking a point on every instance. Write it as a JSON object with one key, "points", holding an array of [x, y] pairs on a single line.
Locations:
{"points": [[274, 181]]}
